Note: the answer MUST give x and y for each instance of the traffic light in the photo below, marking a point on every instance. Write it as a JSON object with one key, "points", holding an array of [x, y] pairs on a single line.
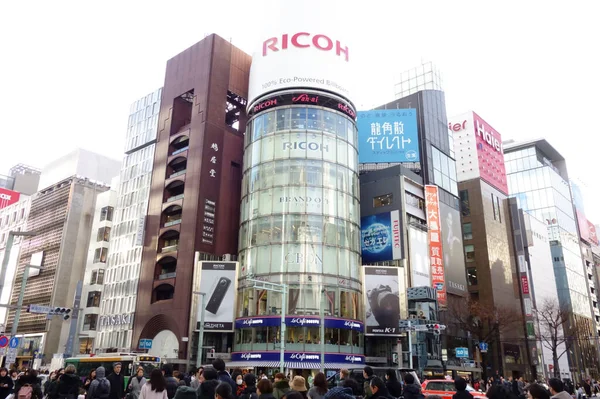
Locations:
{"points": [[64, 312], [434, 328]]}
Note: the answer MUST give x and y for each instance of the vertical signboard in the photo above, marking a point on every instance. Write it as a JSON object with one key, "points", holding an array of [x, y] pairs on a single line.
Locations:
{"points": [[217, 280], [452, 246], [436, 257], [382, 300], [419, 261]]}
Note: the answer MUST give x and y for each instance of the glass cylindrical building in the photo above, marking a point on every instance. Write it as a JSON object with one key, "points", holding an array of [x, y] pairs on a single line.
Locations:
{"points": [[300, 226]]}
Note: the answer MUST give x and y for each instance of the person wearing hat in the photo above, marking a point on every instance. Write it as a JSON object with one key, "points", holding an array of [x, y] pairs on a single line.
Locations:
{"points": [[299, 385], [117, 382]]}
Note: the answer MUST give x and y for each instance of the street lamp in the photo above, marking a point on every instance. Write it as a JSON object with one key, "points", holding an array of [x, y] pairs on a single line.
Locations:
{"points": [[201, 329], [283, 289]]}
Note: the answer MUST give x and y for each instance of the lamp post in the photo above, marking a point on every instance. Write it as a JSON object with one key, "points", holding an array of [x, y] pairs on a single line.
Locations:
{"points": [[283, 289], [7, 250], [201, 329], [15, 324]]}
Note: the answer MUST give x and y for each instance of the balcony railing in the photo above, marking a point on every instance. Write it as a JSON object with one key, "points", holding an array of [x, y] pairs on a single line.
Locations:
{"points": [[174, 198], [166, 276], [181, 172], [170, 248], [172, 223], [179, 151]]}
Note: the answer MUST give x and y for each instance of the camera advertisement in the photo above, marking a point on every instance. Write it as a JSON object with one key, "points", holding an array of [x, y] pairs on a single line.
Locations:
{"points": [[218, 283], [382, 300]]}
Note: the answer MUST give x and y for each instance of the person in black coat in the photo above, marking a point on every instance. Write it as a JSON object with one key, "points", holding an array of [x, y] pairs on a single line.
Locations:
{"points": [[68, 384], [6, 383], [460, 384], [223, 375], [394, 386], [411, 390], [172, 383], [117, 382], [29, 378], [379, 389]]}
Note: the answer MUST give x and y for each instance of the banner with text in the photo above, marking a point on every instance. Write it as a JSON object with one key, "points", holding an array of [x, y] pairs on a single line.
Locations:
{"points": [[436, 257]]}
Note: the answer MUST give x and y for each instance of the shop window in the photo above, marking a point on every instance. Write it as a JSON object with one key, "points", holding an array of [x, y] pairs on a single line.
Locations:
{"points": [[467, 231], [382, 200], [472, 276], [89, 322], [93, 299], [470, 253], [106, 213], [103, 234]]}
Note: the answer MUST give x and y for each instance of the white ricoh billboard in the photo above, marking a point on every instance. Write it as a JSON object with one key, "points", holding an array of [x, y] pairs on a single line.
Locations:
{"points": [[297, 51]]}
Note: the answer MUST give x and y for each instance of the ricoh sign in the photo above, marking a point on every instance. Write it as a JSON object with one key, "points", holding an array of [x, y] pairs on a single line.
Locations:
{"points": [[298, 51]]}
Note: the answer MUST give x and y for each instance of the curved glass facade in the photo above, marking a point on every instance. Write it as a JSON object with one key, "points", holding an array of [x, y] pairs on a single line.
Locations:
{"points": [[300, 223]]}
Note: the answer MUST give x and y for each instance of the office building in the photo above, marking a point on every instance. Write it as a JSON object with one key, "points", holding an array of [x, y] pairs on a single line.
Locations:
{"points": [[21, 178], [122, 264], [194, 193]]}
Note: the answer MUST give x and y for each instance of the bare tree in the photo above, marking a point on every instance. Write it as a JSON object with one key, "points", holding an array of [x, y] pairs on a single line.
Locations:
{"points": [[557, 330]]}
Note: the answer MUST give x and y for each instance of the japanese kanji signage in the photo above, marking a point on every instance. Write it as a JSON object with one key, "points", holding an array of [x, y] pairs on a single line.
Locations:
{"points": [[436, 257], [388, 135]]}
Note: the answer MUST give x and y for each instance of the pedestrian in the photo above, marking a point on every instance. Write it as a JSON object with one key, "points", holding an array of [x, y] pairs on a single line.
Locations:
{"points": [[587, 387], [557, 389], [14, 375], [223, 391], [88, 380], [500, 391], [185, 392], [156, 387], [134, 387], [100, 386], [172, 383], [299, 385], [223, 375], [117, 382], [6, 383], [339, 393], [353, 385], [368, 374], [411, 390], [281, 386], [264, 389], [319, 388], [68, 384], [392, 384], [209, 385], [250, 391], [379, 389], [293, 395], [28, 386], [536, 391], [344, 375], [461, 389], [196, 379]]}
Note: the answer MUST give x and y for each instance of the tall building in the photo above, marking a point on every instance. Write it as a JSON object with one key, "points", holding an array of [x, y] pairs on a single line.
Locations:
{"points": [[195, 190], [487, 237], [300, 204], [122, 264], [95, 269], [538, 178]]}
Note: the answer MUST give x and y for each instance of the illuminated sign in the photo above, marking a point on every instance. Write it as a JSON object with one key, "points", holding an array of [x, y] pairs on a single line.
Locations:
{"points": [[310, 98], [436, 257]]}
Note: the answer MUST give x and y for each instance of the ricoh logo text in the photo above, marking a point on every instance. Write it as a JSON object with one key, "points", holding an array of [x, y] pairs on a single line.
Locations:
{"points": [[303, 145], [304, 40]]}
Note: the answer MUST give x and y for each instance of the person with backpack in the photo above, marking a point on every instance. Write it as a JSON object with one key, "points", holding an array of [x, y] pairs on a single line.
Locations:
{"points": [[100, 387], [156, 388], [68, 384], [117, 382], [172, 383], [28, 386], [6, 383]]}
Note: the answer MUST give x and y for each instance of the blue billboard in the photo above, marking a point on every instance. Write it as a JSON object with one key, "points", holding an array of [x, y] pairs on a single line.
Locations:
{"points": [[388, 135], [381, 237]]}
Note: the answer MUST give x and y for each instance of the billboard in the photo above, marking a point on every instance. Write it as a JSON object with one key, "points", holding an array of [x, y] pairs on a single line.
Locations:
{"points": [[419, 261], [436, 258], [218, 281], [388, 135], [587, 230], [301, 48], [382, 300], [8, 197], [381, 237], [454, 256]]}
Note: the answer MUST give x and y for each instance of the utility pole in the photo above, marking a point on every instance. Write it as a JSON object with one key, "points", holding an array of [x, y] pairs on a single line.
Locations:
{"points": [[15, 324], [7, 250], [322, 328], [201, 329]]}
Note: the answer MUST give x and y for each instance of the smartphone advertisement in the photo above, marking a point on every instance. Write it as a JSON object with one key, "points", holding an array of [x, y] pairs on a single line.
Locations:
{"points": [[218, 283]]}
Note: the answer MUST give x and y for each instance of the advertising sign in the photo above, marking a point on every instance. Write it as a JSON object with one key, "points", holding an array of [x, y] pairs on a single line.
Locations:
{"points": [[382, 300], [298, 357], [462, 353], [436, 257], [419, 261], [302, 97], [218, 282], [299, 321], [381, 237], [524, 284], [587, 230], [8, 197], [302, 48], [452, 246], [388, 136]]}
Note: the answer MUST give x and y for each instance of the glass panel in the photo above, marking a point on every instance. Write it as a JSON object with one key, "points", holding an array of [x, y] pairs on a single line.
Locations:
{"points": [[269, 122], [299, 118], [314, 117], [329, 122], [329, 149], [342, 152], [267, 153], [341, 127]]}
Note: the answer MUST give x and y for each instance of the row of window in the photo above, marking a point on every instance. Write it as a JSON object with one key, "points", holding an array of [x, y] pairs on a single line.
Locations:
{"points": [[444, 171], [301, 118], [291, 172], [300, 145], [17, 216]]}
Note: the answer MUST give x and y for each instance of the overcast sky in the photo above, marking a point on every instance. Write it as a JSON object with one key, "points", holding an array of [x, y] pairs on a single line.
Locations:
{"points": [[70, 69]]}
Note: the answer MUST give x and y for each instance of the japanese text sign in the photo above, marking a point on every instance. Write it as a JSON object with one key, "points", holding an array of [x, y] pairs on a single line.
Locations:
{"points": [[436, 257]]}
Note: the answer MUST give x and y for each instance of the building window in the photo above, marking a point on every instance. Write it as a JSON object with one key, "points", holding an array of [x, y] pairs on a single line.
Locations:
{"points": [[470, 253], [467, 231], [93, 299], [382, 200], [496, 207], [472, 276], [106, 213], [100, 255], [97, 277], [89, 322], [415, 201], [465, 207], [103, 234]]}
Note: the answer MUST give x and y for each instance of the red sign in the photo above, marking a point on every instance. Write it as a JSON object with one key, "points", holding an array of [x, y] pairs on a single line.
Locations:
{"points": [[524, 285], [304, 40], [436, 257], [593, 234], [8, 197]]}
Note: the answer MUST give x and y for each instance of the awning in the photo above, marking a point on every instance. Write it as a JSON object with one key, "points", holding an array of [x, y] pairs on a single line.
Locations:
{"points": [[302, 365], [251, 364], [290, 365]]}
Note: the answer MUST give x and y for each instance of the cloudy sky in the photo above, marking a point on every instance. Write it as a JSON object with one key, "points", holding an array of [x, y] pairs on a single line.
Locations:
{"points": [[70, 69]]}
